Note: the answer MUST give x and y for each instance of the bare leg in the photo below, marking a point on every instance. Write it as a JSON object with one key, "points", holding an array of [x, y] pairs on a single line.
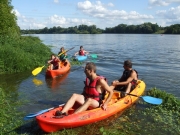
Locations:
{"points": [[51, 67], [88, 103], [74, 98]]}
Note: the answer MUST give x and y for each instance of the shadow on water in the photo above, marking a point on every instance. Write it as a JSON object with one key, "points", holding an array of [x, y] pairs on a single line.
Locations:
{"points": [[29, 128]]}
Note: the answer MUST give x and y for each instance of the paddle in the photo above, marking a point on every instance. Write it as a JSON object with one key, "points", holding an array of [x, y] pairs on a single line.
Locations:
{"points": [[94, 56], [32, 115], [148, 99], [39, 69], [65, 51]]}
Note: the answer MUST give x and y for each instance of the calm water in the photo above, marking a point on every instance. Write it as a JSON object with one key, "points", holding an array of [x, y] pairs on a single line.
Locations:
{"points": [[155, 57]]}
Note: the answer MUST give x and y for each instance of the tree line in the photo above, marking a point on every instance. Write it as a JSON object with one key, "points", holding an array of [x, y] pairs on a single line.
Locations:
{"points": [[145, 28]]}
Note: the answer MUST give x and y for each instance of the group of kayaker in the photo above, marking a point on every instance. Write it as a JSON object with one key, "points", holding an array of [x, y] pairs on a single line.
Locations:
{"points": [[54, 62], [96, 88]]}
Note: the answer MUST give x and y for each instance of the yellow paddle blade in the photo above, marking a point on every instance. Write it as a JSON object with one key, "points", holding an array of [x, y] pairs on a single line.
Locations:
{"points": [[37, 70]]}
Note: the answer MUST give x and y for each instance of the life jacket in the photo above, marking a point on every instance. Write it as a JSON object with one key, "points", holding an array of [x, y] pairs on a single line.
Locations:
{"points": [[62, 56], [81, 52], [127, 74], [55, 62], [90, 90]]}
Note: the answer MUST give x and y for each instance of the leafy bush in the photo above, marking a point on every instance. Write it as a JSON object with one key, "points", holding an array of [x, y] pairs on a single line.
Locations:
{"points": [[25, 53]]}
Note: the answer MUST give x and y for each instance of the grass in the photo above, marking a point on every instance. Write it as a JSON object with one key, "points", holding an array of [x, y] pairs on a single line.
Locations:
{"points": [[26, 53]]}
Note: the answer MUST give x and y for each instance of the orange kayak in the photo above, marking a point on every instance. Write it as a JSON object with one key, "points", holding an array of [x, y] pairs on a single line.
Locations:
{"points": [[49, 123], [64, 68]]}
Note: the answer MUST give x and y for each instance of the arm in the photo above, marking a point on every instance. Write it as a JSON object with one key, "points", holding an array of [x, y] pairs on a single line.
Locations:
{"points": [[76, 53], [106, 87], [49, 61], [133, 75], [85, 52], [65, 53]]}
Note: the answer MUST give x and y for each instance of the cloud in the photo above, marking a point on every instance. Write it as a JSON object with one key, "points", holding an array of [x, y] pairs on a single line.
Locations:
{"points": [[100, 14], [110, 4], [171, 16], [56, 1], [16, 13], [98, 10], [153, 3], [56, 20]]}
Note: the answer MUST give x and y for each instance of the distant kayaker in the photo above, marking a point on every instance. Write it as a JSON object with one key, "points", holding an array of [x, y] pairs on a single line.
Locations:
{"points": [[62, 54], [93, 93], [81, 52], [54, 62], [128, 80]]}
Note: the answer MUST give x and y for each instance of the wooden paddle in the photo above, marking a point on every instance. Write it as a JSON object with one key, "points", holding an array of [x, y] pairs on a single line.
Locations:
{"points": [[39, 69]]}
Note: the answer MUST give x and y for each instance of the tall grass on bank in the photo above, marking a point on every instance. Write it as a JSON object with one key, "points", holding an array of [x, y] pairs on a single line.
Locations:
{"points": [[25, 53], [10, 118]]}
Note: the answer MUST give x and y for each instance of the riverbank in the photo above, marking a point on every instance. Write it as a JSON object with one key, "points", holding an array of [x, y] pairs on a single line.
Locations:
{"points": [[141, 118]]}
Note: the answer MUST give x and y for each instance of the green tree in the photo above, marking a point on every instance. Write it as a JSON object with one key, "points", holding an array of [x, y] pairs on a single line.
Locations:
{"points": [[8, 27]]}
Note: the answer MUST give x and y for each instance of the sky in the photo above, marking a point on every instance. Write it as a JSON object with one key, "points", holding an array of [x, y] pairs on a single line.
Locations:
{"points": [[38, 14]]}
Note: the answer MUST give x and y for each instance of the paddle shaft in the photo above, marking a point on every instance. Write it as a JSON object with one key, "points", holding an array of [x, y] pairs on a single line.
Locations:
{"points": [[32, 115], [66, 51], [132, 94]]}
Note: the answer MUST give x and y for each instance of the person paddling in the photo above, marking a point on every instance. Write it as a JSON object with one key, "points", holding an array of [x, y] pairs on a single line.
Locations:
{"points": [[81, 52], [54, 62], [62, 54]]}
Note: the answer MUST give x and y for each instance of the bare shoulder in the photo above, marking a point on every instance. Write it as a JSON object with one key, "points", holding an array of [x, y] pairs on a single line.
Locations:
{"points": [[134, 74], [102, 82]]}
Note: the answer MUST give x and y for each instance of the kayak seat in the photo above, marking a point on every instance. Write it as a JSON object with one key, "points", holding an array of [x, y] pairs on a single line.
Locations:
{"points": [[65, 63], [116, 95]]}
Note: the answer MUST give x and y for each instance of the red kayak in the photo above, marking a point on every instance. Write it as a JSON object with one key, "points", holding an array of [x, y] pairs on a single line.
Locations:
{"points": [[48, 122], [64, 68]]}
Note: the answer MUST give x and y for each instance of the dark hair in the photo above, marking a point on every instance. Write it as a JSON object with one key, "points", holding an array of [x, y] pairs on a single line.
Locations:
{"points": [[53, 54], [81, 47], [128, 63], [91, 66]]}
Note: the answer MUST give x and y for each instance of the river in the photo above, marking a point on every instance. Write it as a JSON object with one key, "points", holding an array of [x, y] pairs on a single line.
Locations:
{"points": [[156, 58]]}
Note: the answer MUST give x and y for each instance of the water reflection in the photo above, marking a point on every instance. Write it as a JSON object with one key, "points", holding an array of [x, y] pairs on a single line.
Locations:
{"points": [[37, 82], [54, 83]]}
